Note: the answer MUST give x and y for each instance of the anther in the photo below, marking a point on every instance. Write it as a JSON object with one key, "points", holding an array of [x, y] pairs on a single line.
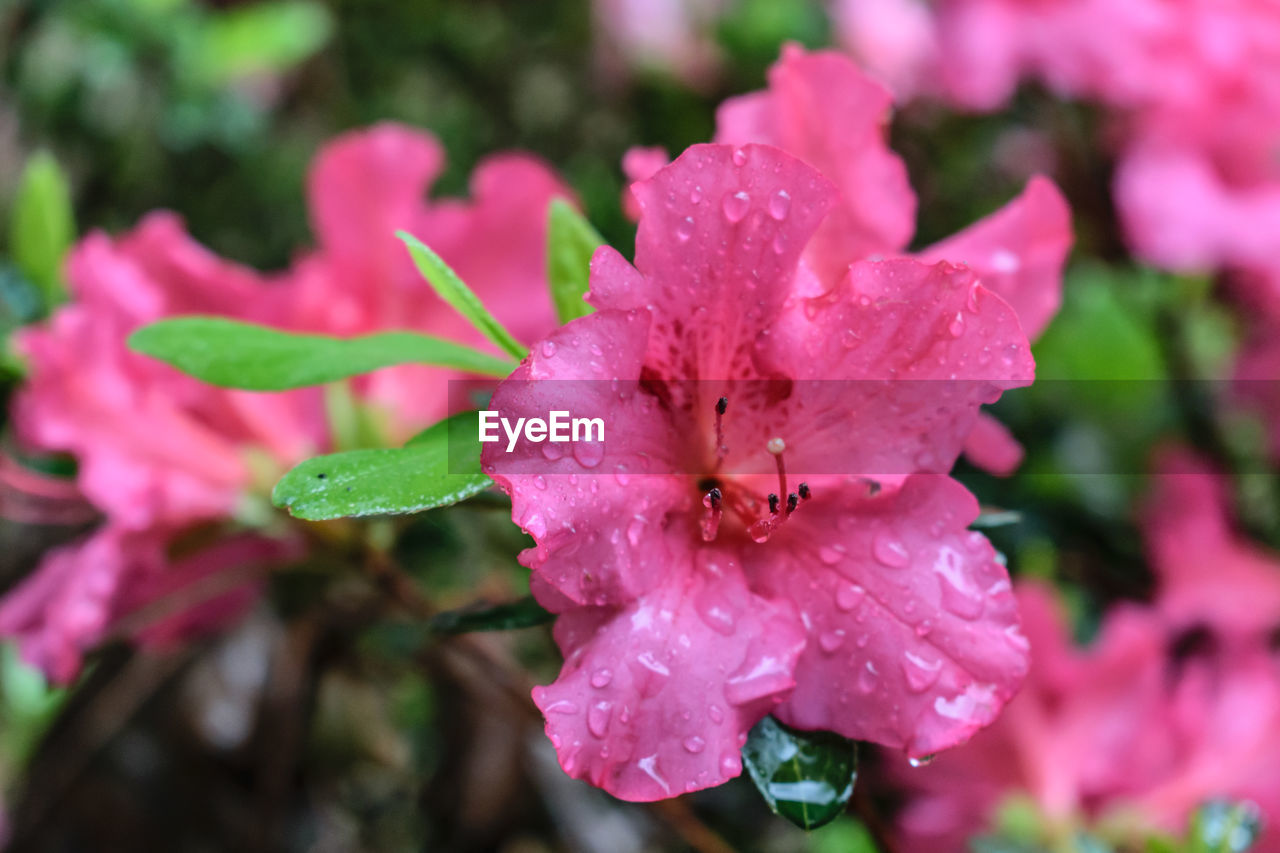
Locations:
{"points": [[804, 492], [722, 406], [773, 503], [793, 500], [711, 517]]}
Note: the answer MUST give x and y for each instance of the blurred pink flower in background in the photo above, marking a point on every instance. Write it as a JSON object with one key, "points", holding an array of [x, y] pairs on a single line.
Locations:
{"points": [[1171, 705], [159, 452], [822, 109], [674, 36], [366, 185], [1193, 88], [690, 604]]}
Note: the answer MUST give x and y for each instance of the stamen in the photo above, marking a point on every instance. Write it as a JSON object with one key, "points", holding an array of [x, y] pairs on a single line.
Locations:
{"points": [[777, 447], [712, 500], [793, 500], [804, 492], [722, 405], [773, 504]]}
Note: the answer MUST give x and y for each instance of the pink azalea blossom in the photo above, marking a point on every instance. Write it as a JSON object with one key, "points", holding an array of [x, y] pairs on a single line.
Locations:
{"points": [[1193, 88], [691, 604], [125, 583], [156, 447], [1209, 574], [1089, 728], [1172, 705], [675, 36], [366, 185], [822, 109], [159, 452]]}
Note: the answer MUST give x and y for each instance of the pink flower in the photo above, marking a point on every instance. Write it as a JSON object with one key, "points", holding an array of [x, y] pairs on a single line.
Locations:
{"points": [[366, 185], [1210, 575], [1089, 727], [160, 452], [691, 604], [675, 36], [1170, 706], [156, 447], [124, 583], [822, 109]]}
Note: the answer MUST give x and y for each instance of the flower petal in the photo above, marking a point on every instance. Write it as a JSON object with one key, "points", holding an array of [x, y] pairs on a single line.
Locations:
{"points": [[824, 110], [656, 699], [904, 351], [597, 510], [1018, 252], [915, 642], [719, 241]]}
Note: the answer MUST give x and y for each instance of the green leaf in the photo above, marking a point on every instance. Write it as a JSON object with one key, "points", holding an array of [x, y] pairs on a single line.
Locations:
{"points": [[1221, 826], [460, 297], [806, 777], [268, 38], [43, 226], [524, 613], [440, 467], [257, 358], [571, 241]]}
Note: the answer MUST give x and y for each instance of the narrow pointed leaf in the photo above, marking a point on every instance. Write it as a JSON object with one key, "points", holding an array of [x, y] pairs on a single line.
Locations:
{"points": [[257, 358], [524, 613], [571, 241], [43, 226], [460, 297], [805, 777], [439, 468]]}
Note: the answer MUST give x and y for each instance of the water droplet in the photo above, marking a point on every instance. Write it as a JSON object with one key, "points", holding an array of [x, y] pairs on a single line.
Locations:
{"points": [[685, 229], [921, 673], [716, 715], [636, 529], [601, 678], [552, 451], [956, 326], [889, 551], [739, 157], [830, 555], [588, 453], [849, 339], [622, 476], [694, 744], [922, 760], [974, 301], [548, 349], [831, 640], [849, 596], [716, 612], [695, 195], [731, 764], [959, 594], [541, 482], [563, 706], [867, 678], [598, 716], [736, 206], [780, 205]]}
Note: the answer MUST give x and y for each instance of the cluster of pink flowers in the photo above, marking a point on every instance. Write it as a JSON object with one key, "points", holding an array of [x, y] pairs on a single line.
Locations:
{"points": [[1174, 703], [174, 466], [1193, 85]]}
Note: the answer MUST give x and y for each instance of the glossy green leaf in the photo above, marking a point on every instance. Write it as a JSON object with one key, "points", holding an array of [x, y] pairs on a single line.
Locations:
{"points": [[571, 241], [524, 613], [257, 358], [460, 297], [806, 777], [440, 467], [43, 226]]}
